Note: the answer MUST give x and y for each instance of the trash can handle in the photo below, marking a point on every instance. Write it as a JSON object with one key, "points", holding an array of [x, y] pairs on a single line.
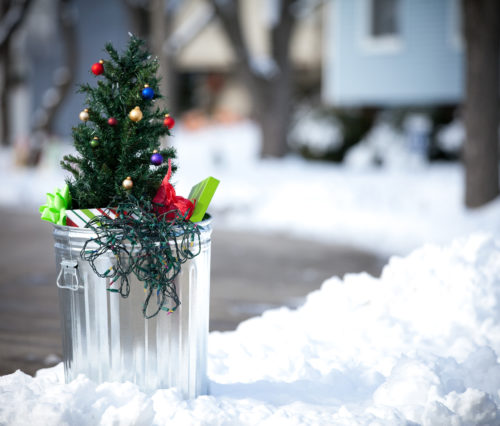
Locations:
{"points": [[68, 267]]}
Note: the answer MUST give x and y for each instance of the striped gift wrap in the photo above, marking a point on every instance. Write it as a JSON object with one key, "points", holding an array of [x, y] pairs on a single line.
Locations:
{"points": [[80, 218]]}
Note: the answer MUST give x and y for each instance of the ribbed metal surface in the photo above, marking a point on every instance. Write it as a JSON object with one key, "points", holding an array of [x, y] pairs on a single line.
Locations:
{"points": [[107, 338]]}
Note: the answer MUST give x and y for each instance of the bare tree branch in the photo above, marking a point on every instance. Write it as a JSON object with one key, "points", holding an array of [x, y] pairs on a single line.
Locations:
{"points": [[162, 13], [281, 33], [63, 79], [269, 87], [138, 11], [229, 15], [16, 12], [12, 15]]}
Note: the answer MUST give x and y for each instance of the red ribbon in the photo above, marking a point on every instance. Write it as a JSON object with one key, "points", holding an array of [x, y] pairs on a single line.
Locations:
{"points": [[168, 203]]}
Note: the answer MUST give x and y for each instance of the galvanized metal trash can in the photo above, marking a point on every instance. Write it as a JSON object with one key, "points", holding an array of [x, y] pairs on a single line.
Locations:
{"points": [[106, 336]]}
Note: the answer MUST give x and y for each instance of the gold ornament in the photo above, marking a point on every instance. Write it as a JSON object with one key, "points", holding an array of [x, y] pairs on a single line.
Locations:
{"points": [[136, 114], [84, 115], [127, 183]]}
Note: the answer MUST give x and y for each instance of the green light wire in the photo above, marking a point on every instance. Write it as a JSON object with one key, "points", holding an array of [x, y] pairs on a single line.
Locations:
{"points": [[147, 245]]}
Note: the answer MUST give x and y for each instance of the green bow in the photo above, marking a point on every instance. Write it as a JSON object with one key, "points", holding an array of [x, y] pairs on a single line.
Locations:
{"points": [[57, 204]]}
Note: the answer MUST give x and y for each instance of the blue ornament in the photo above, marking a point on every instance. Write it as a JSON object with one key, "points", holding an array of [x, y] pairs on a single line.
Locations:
{"points": [[147, 92], [156, 158]]}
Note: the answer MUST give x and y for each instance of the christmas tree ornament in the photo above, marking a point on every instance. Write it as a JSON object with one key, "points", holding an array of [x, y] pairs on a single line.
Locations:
{"points": [[127, 183], [112, 121], [94, 143], [135, 115], [168, 121], [84, 115], [156, 158], [147, 92], [98, 67]]}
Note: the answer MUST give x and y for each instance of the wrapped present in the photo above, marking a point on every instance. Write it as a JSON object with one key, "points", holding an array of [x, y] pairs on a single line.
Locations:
{"points": [[193, 208], [201, 194], [167, 203], [80, 218]]}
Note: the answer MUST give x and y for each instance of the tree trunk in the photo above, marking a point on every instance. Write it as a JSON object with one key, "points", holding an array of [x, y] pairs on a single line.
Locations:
{"points": [[12, 15], [139, 17], [272, 92], [63, 80], [273, 132], [482, 35], [160, 28], [171, 74], [157, 36], [67, 22], [4, 95], [273, 110]]}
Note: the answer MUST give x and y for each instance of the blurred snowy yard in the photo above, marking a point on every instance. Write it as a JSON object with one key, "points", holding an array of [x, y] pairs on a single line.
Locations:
{"points": [[388, 210], [419, 344]]}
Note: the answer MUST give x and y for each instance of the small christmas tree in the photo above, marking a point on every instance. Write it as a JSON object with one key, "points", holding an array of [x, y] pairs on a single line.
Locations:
{"points": [[149, 229], [119, 137]]}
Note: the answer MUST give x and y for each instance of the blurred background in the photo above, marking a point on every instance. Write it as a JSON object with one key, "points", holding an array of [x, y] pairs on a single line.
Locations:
{"points": [[343, 132], [315, 76]]}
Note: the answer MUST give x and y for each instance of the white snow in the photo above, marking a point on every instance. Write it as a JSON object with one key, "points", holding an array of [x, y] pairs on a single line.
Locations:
{"points": [[319, 133], [419, 344], [382, 145], [452, 137]]}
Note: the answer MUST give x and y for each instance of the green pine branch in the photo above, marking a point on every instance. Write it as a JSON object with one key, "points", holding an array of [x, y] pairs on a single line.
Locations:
{"points": [[125, 149]]}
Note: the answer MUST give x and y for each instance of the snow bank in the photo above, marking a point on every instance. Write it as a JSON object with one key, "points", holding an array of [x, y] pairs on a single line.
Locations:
{"points": [[419, 344]]}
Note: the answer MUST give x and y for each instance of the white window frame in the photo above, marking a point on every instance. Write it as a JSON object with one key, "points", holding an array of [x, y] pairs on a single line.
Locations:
{"points": [[378, 44]]}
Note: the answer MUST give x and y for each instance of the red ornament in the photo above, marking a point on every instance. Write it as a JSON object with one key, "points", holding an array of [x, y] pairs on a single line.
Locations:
{"points": [[98, 67], [168, 204], [168, 121], [112, 121]]}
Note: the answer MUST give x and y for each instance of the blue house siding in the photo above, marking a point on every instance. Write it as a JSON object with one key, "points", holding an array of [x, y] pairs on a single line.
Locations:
{"points": [[424, 67]]}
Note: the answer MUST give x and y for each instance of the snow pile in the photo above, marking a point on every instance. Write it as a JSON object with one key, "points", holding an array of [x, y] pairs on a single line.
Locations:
{"points": [[451, 138], [383, 146], [419, 344], [317, 132]]}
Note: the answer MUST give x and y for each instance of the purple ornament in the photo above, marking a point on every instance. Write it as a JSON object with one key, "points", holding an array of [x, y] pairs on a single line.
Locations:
{"points": [[156, 159]]}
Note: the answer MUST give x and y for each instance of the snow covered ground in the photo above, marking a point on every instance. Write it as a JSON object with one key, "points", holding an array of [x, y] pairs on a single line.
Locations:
{"points": [[419, 344]]}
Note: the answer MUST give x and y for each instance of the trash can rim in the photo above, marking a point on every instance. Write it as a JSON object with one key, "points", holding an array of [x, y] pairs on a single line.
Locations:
{"points": [[205, 224]]}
